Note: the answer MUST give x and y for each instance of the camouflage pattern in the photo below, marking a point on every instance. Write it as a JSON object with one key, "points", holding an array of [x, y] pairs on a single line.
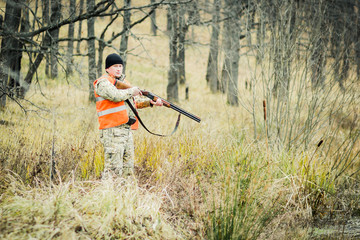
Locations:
{"points": [[105, 89], [119, 151], [117, 141]]}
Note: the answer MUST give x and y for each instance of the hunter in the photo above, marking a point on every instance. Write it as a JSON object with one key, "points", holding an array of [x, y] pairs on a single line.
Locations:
{"points": [[116, 119]]}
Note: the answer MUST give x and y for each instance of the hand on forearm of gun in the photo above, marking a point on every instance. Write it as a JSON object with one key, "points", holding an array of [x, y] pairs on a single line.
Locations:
{"points": [[158, 102], [140, 103]]}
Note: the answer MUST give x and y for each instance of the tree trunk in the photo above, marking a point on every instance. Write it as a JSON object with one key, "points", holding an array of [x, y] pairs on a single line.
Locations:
{"points": [[260, 33], [212, 67], [54, 18], [70, 48], [225, 72], [9, 56], [318, 43], [153, 21], [34, 66], [282, 45], [46, 22], [181, 45], [232, 92], [357, 40], [21, 87], [234, 11], [81, 6], [25, 20], [348, 38], [172, 87], [125, 36], [102, 45], [91, 51], [192, 9], [100, 65], [32, 25], [227, 46], [168, 20]]}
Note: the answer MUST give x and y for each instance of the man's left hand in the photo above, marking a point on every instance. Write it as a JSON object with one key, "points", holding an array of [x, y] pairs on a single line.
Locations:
{"points": [[157, 103]]}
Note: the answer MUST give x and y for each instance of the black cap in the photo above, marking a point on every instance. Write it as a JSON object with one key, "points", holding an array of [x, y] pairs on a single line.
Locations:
{"points": [[113, 59]]}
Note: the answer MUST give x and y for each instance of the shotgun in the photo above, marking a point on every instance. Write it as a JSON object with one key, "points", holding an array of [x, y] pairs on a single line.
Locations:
{"points": [[123, 85]]}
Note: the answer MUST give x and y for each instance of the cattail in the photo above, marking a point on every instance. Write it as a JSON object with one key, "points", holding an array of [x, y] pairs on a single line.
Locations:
{"points": [[321, 142], [264, 106]]}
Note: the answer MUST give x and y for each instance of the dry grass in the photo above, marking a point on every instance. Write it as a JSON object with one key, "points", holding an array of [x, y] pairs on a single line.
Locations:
{"points": [[209, 180]]}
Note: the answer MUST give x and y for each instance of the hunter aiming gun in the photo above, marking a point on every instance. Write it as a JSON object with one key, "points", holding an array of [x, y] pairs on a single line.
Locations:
{"points": [[123, 85]]}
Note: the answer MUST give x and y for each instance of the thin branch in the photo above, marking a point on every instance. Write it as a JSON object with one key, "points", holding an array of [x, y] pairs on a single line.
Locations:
{"points": [[96, 12]]}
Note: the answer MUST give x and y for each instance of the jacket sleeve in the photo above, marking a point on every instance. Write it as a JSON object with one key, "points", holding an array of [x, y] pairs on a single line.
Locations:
{"points": [[105, 89]]}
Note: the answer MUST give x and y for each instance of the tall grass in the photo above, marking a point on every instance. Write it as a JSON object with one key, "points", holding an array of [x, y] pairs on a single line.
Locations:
{"points": [[233, 176], [86, 210], [245, 202], [210, 180]]}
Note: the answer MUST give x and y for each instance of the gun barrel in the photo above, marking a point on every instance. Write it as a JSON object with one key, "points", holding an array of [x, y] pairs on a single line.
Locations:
{"points": [[172, 106], [182, 111]]}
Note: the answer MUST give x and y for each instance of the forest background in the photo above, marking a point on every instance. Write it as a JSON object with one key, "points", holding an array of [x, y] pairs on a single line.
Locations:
{"points": [[275, 83]]}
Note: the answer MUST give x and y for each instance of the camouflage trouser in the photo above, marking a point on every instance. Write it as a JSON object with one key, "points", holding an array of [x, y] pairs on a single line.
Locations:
{"points": [[119, 151]]}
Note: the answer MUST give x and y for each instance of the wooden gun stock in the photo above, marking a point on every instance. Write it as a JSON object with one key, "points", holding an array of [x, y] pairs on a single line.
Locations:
{"points": [[123, 85]]}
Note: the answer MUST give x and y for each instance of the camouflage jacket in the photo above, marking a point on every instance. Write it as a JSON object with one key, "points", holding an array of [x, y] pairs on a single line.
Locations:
{"points": [[105, 89]]}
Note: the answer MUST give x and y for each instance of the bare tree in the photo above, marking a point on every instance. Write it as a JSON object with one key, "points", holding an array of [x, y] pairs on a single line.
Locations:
{"points": [[9, 55], [182, 30], [212, 67], [356, 40], [282, 44], [260, 31], [232, 30], [102, 45], [81, 6], [226, 48], [185, 16], [43, 36], [70, 48], [168, 20], [107, 43], [38, 38], [46, 22], [342, 18], [54, 19], [25, 20], [125, 36], [90, 5], [14, 87], [172, 87], [153, 21], [318, 41]]}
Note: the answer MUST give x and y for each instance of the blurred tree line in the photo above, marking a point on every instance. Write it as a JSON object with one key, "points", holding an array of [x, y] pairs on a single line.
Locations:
{"points": [[281, 31]]}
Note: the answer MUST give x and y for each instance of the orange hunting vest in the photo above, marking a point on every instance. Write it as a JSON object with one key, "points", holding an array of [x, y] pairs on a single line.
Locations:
{"points": [[111, 114]]}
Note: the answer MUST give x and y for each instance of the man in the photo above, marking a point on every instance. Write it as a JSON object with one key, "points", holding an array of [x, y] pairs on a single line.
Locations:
{"points": [[116, 119]]}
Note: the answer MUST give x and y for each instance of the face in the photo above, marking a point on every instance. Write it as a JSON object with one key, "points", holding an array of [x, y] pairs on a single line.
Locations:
{"points": [[115, 70]]}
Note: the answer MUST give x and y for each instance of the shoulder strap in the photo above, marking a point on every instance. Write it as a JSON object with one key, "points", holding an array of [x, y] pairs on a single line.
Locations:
{"points": [[141, 122]]}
